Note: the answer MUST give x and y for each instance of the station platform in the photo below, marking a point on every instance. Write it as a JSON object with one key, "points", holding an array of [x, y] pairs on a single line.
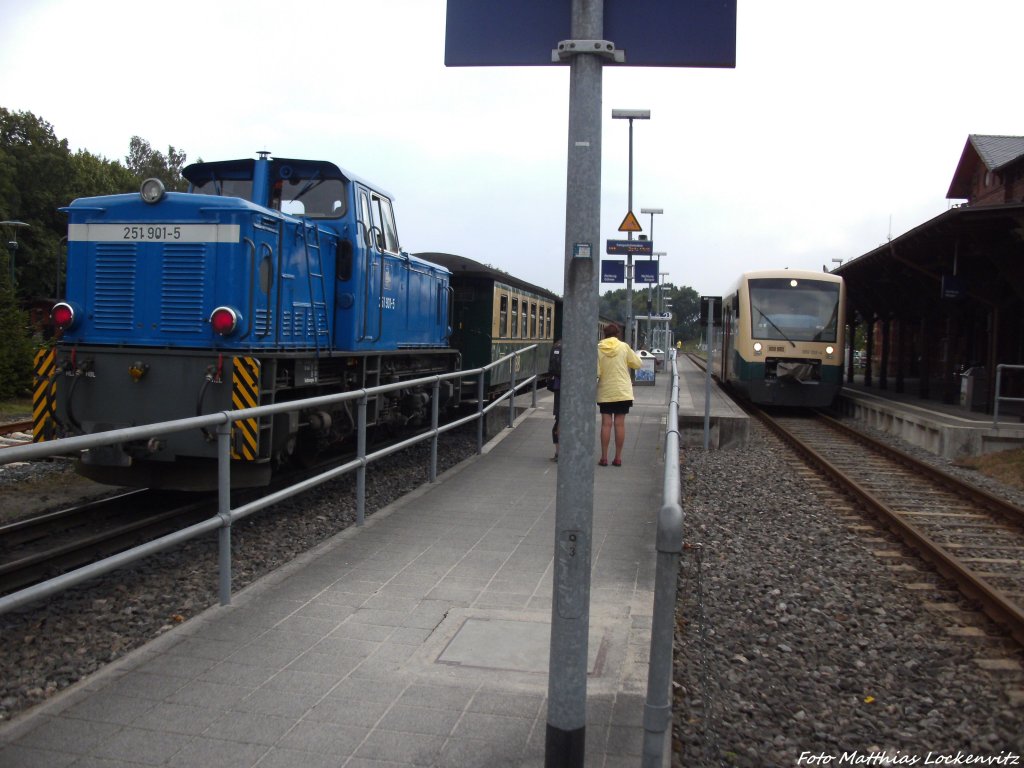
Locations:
{"points": [[421, 638], [728, 424], [949, 430]]}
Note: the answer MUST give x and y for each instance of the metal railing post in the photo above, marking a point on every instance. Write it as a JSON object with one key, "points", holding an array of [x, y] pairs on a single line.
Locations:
{"points": [[224, 510], [669, 542], [361, 456], [435, 395], [512, 390], [480, 415], [995, 405], [536, 354]]}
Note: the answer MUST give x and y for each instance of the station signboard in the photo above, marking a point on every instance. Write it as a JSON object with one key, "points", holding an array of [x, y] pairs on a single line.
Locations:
{"points": [[613, 271], [645, 271], [652, 33], [629, 247]]}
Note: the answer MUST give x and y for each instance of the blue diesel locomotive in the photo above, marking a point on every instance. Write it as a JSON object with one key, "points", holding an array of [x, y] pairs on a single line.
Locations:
{"points": [[270, 280]]}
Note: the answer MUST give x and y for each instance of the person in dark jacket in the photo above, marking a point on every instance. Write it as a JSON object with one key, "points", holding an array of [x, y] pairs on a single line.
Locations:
{"points": [[555, 385]]}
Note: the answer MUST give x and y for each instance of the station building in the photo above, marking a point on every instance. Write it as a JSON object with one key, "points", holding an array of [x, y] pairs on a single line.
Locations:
{"points": [[943, 304]]}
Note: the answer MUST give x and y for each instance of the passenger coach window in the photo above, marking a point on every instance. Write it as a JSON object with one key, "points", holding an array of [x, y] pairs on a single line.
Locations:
{"points": [[526, 318], [515, 317], [503, 318], [533, 321], [547, 333]]}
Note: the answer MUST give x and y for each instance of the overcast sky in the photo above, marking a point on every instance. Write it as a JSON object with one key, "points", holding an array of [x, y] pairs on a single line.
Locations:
{"points": [[841, 124]]}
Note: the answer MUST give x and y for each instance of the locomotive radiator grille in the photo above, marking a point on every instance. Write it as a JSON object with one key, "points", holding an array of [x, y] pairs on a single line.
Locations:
{"points": [[44, 396], [245, 393], [181, 285], [115, 286]]}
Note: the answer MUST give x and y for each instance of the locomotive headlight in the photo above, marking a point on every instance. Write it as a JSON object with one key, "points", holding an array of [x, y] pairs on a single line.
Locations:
{"points": [[224, 320], [757, 347], [63, 315], [829, 350], [152, 191]]}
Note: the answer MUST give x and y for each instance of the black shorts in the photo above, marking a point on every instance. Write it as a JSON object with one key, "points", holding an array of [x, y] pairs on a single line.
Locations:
{"points": [[616, 407]]}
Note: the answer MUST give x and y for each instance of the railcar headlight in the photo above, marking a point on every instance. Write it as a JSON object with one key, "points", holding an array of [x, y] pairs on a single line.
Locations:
{"points": [[152, 191], [757, 347], [829, 350], [224, 320], [63, 315]]}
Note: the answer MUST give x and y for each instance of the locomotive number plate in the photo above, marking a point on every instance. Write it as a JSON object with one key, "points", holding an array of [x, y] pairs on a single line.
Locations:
{"points": [[154, 232]]}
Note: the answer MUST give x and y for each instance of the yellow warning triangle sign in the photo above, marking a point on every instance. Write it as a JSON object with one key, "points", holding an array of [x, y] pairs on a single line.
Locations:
{"points": [[630, 224]]}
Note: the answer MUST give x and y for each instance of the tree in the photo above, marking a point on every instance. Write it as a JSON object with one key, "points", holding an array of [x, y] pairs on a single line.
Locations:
{"points": [[35, 168], [145, 162], [17, 349], [685, 308]]}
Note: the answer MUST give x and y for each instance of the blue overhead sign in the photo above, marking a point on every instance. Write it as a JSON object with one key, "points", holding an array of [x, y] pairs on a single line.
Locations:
{"points": [[652, 33], [645, 271], [613, 271], [630, 247]]}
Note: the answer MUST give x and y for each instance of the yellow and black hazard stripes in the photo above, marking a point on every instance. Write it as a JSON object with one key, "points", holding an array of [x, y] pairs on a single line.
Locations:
{"points": [[245, 393], [44, 396]]}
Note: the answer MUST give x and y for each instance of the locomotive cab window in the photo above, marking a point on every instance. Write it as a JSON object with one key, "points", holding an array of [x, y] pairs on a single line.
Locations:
{"points": [[316, 198], [225, 188], [384, 225]]}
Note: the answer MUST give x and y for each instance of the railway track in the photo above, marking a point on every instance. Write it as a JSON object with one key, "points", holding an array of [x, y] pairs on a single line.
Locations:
{"points": [[15, 433], [36, 548], [40, 547], [971, 537]]}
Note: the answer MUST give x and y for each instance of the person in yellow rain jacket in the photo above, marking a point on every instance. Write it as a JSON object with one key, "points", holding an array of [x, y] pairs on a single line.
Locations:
{"points": [[614, 390]]}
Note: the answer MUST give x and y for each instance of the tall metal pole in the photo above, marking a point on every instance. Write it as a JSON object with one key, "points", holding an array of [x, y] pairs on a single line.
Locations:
{"points": [[574, 502], [629, 257]]}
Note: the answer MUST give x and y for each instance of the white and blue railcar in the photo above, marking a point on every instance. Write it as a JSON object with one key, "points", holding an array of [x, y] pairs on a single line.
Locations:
{"points": [[783, 337]]}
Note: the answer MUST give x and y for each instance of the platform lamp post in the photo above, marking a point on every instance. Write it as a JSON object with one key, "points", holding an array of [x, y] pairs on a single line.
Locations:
{"points": [[650, 236], [652, 303], [12, 245], [631, 115]]}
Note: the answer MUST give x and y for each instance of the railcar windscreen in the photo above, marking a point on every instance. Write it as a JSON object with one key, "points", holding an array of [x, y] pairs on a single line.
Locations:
{"points": [[793, 310]]}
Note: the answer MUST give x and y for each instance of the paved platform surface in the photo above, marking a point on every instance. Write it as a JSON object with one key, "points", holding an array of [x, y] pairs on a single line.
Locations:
{"points": [[419, 639]]}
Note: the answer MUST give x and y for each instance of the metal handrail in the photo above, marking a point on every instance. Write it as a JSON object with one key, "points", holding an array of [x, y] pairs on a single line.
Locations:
{"points": [[999, 384], [658, 707], [225, 514]]}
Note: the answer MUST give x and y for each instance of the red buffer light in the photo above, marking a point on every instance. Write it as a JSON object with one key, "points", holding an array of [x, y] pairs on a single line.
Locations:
{"points": [[224, 320], [63, 315]]}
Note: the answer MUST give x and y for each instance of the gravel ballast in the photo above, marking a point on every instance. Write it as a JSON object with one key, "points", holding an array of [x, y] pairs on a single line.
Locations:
{"points": [[797, 644]]}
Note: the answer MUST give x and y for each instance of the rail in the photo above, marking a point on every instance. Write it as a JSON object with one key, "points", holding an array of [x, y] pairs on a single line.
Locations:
{"points": [[222, 422], [658, 707], [1001, 398]]}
